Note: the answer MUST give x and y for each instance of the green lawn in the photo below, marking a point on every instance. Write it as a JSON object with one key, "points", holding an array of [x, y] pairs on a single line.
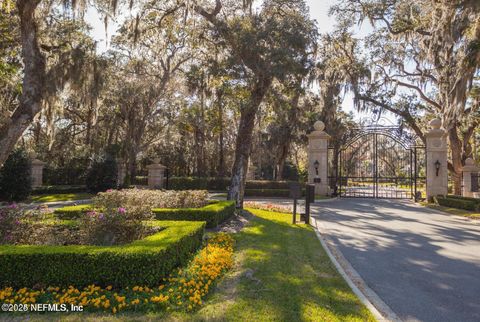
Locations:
{"points": [[61, 197], [281, 274], [454, 211]]}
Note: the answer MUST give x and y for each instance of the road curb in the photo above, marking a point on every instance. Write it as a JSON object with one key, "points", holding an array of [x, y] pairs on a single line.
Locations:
{"points": [[366, 295]]}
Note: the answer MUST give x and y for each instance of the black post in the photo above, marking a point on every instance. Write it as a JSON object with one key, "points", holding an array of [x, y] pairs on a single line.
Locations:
{"points": [[294, 210], [309, 198], [166, 180]]}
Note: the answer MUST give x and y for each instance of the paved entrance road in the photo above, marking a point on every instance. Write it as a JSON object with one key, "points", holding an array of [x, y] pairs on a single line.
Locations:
{"points": [[424, 265]]}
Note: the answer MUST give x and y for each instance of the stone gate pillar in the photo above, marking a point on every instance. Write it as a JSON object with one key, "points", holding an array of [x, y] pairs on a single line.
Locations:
{"points": [[468, 170], [37, 172], [437, 170], [156, 173], [121, 172], [318, 159]]}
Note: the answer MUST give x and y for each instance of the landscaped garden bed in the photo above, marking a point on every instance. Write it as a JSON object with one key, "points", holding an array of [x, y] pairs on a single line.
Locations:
{"points": [[189, 205], [183, 290], [213, 214], [142, 262]]}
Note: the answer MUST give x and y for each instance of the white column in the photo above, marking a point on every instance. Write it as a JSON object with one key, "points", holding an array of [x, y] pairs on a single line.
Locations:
{"points": [[318, 159], [437, 170], [156, 174], [469, 169], [37, 173]]}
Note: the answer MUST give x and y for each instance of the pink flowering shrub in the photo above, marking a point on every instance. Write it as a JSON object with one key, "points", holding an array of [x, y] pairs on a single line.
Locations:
{"points": [[268, 206], [121, 214], [113, 226], [140, 201], [10, 223]]}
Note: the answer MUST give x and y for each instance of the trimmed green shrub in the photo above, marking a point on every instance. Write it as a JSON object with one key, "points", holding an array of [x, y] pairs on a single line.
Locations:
{"points": [[143, 262], [73, 212], [47, 190], [102, 175], [213, 214], [476, 200], [15, 177], [193, 183], [221, 184], [268, 184], [283, 193], [457, 203]]}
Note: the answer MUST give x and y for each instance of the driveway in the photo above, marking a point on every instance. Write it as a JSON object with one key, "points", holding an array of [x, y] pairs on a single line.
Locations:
{"points": [[423, 264]]}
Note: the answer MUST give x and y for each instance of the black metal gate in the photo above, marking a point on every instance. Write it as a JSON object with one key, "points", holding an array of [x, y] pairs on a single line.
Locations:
{"points": [[379, 162]]}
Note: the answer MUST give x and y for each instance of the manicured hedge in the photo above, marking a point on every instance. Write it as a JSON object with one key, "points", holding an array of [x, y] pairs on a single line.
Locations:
{"points": [[143, 262], [221, 184], [268, 184], [476, 200], [72, 212], [213, 214], [58, 189], [194, 183], [267, 193], [460, 203]]}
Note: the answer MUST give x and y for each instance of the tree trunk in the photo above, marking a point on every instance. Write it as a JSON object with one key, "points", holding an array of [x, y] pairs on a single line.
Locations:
{"points": [[284, 149], [221, 144], [457, 162], [33, 80], [244, 140]]}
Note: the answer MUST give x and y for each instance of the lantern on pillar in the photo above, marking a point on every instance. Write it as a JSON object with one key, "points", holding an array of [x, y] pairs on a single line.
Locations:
{"points": [[437, 167]]}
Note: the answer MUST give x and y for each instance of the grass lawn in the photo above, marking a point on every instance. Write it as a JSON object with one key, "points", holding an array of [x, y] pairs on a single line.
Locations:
{"points": [[454, 211], [61, 197], [281, 274]]}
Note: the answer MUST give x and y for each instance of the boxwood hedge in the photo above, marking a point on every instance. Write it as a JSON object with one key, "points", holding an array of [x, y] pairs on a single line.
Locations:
{"points": [[213, 214], [72, 212], [458, 202], [143, 262]]}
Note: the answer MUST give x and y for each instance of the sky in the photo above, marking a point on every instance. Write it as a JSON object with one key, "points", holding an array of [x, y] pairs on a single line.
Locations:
{"points": [[318, 10]]}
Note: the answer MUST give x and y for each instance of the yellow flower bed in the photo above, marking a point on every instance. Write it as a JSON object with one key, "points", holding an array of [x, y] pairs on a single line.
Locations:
{"points": [[185, 290]]}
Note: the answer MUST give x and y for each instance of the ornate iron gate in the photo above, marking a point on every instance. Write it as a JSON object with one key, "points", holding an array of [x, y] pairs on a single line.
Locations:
{"points": [[379, 162]]}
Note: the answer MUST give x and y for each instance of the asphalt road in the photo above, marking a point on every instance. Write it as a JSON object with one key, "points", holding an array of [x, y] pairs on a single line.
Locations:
{"points": [[424, 265]]}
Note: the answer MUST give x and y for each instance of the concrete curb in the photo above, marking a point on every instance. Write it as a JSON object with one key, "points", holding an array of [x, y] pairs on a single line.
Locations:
{"points": [[366, 295]]}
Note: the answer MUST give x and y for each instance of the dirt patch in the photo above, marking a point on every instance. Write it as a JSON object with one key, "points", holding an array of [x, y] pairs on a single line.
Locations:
{"points": [[234, 224]]}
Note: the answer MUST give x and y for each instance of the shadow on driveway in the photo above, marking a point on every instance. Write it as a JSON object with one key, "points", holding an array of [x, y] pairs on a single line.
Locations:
{"points": [[424, 265]]}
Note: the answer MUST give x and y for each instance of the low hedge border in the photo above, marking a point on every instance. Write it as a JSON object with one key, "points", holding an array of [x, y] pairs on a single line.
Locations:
{"points": [[476, 200], [213, 214], [221, 184], [72, 212], [281, 193], [458, 202], [46, 190], [143, 262]]}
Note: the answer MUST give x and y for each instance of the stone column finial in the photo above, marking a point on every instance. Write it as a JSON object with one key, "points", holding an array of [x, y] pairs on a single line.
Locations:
{"points": [[318, 158], [437, 151], [156, 173], [469, 170], [37, 172]]}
